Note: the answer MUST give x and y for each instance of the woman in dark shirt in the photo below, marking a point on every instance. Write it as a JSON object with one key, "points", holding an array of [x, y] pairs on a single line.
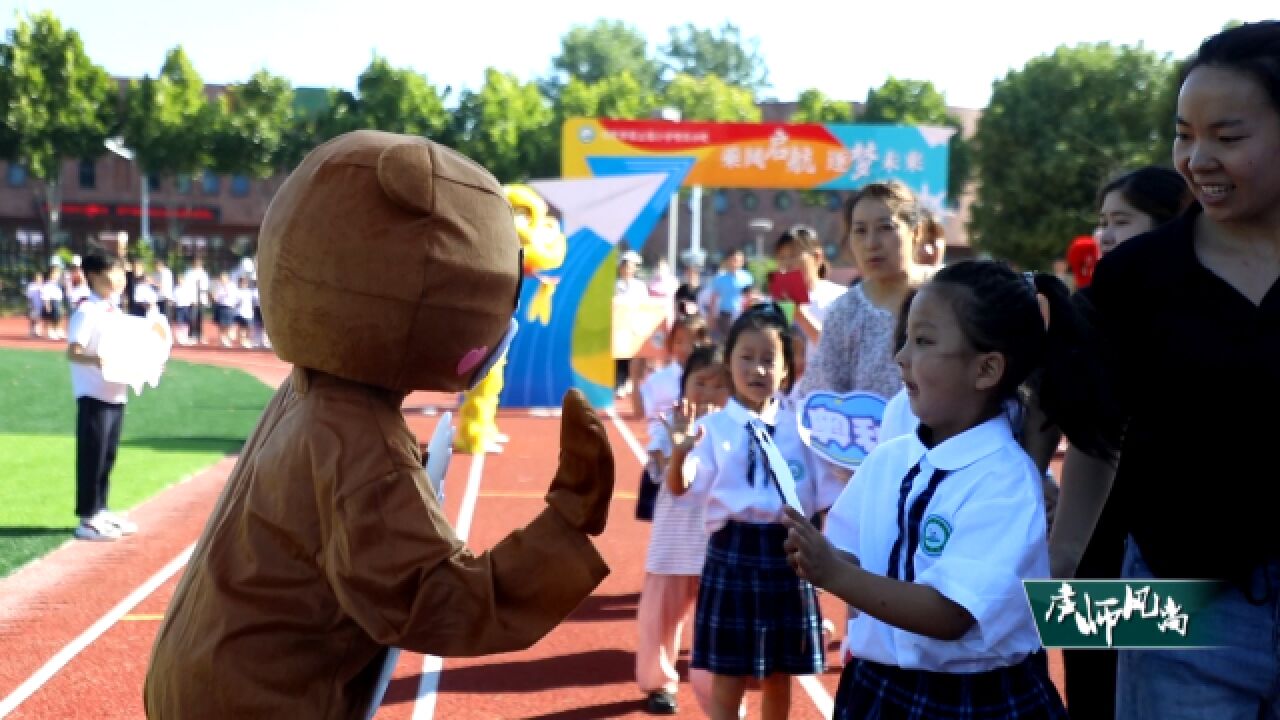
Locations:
{"points": [[1129, 205], [1189, 318]]}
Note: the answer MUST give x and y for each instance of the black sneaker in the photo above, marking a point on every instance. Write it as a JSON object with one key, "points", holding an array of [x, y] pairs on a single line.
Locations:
{"points": [[660, 702]]}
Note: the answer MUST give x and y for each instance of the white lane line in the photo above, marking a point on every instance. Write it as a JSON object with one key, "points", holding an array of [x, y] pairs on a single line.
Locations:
{"points": [[628, 437], [817, 693], [424, 707], [104, 623]]}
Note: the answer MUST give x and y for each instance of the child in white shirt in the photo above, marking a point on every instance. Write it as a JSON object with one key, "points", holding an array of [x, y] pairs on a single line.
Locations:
{"points": [[51, 297], [940, 527], [99, 404], [35, 305], [677, 546], [659, 393], [755, 617]]}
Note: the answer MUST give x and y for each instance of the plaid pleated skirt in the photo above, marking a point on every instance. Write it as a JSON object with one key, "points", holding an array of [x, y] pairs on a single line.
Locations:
{"points": [[755, 617], [871, 690]]}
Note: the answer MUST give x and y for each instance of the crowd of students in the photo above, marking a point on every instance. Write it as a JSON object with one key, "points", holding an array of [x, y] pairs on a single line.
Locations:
{"points": [[189, 301]]}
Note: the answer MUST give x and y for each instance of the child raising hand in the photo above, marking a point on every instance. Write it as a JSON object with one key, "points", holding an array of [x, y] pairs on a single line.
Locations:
{"points": [[744, 463], [677, 544]]}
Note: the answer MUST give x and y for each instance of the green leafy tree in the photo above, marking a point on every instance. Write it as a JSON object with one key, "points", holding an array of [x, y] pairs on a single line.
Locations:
{"points": [[1053, 131], [317, 115], [55, 104], [169, 124], [814, 107], [701, 52], [917, 102], [252, 125], [602, 50], [710, 98], [400, 101], [620, 96], [906, 102], [504, 127]]}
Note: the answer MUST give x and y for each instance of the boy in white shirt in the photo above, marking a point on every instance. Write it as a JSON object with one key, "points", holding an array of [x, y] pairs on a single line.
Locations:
{"points": [[99, 404]]}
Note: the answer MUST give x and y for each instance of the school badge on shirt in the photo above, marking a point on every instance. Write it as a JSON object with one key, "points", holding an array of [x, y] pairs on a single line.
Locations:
{"points": [[934, 534]]}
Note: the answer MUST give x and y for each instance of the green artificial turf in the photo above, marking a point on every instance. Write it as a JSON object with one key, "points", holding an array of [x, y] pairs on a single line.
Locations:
{"points": [[197, 415]]}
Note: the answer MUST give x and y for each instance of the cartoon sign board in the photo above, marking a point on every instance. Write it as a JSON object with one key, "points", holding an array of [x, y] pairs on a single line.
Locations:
{"points": [[843, 428]]}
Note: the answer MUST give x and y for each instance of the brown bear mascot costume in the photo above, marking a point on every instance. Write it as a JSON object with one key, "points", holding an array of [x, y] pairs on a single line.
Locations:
{"points": [[387, 264]]}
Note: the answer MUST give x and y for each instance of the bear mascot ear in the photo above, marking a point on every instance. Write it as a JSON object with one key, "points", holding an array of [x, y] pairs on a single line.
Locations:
{"points": [[405, 173], [389, 260]]}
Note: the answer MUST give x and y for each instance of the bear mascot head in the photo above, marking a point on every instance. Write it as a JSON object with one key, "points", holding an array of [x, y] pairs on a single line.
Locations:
{"points": [[402, 257]]}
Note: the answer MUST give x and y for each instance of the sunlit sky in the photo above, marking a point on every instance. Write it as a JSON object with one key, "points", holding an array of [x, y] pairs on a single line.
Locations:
{"points": [[841, 48]]}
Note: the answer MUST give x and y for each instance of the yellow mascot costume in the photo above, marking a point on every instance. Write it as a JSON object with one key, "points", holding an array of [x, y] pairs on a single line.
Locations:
{"points": [[543, 245], [387, 264]]}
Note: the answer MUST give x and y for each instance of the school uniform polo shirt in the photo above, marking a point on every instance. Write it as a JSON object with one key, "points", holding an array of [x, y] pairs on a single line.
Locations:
{"points": [[1196, 368], [979, 536], [85, 329], [717, 468]]}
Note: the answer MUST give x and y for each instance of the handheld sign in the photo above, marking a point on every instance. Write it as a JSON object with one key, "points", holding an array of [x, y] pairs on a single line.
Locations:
{"points": [[439, 453], [842, 427], [134, 350]]}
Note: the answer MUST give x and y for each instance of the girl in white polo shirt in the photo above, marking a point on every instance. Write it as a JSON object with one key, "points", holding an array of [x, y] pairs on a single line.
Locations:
{"points": [[754, 617], [941, 526]]}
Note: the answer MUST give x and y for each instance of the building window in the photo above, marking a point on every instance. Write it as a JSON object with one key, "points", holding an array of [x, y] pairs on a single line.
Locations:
{"points": [[88, 174], [210, 184], [720, 202], [17, 175], [782, 201], [153, 182], [239, 186], [184, 184], [750, 201]]}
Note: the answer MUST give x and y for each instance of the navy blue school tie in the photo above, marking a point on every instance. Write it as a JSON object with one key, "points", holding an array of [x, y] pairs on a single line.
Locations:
{"points": [[909, 522], [753, 448]]}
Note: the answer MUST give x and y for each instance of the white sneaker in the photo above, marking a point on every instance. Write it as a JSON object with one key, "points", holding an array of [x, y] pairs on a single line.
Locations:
{"points": [[122, 524], [96, 529]]}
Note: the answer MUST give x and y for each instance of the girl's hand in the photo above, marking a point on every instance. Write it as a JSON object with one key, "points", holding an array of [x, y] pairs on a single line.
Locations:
{"points": [[680, 427], [810, 554]]}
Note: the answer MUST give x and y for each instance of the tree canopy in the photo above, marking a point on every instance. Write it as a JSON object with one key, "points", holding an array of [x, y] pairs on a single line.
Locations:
{"points": [[1053, 132]]}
